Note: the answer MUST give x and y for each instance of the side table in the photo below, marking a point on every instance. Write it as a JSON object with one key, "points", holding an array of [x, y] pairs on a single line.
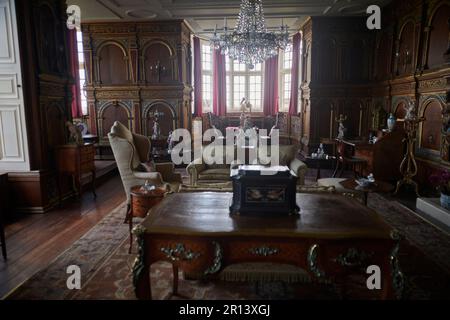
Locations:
{"points": [[76, 160], [319, 163], [141, 202]]}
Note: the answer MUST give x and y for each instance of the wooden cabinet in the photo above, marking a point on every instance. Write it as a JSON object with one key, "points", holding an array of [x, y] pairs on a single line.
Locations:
{"points": [[151, 62], [76, 160]]}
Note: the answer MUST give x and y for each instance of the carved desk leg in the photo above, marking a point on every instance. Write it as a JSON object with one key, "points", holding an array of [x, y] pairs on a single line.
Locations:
{"points": [[175, 279], [141, 268], [386, 285]]}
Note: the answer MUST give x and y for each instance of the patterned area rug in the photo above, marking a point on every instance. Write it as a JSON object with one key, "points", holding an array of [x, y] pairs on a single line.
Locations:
{"points": [[106, 268]]}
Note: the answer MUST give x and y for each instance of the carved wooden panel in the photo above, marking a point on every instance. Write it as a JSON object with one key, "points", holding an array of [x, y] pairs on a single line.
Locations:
{"points": [[158, 63], [49, 36], [431, 127], [406, 49], [400, 110], [54, 120], [323, 119], [352, 110], [439, 36], [166, 120], [327, 63], [383, 56], [113, 65], [354, 65], [111, 113]]}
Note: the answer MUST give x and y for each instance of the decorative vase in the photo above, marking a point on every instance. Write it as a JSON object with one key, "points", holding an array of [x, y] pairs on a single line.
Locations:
{"points": [[391, 122], [445, 201]]}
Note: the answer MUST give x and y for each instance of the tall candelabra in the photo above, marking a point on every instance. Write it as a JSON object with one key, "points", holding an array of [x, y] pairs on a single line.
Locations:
{"points": [[408, 166]]}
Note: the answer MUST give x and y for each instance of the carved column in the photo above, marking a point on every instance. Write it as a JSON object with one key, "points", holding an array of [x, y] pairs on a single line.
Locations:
{"points": [[396, 70], [447, 53], [426, 47]]}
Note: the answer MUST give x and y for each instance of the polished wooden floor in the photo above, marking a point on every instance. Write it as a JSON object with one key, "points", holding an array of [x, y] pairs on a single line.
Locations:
{"points": [[34, 240]]}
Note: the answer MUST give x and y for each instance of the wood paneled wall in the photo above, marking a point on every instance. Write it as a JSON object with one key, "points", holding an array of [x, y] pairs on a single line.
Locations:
{"points": [[366, 75], [47, 98], [411, 51], [337, 63], [134, 69]]}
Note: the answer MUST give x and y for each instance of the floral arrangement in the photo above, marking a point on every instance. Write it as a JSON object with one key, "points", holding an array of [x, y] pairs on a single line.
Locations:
{"points": [[442, 181]]}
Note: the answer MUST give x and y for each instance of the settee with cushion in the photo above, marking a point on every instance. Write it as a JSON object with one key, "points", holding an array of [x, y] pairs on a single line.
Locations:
{"points": [[132, 154], [205, 170]]}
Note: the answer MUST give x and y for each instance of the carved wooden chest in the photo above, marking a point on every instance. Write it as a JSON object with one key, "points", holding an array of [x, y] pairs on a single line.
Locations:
{"points": [[263, 190]]}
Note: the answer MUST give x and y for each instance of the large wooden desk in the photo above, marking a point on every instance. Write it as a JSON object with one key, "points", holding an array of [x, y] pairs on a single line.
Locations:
{"points": [[333, 237]]}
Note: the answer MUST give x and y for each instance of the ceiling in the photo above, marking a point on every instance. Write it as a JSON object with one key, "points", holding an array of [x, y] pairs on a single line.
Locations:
{"points": [[203, 15]]}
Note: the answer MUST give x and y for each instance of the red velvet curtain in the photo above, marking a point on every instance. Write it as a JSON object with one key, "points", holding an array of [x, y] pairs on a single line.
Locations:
{"points": [[219, 84], [198, 108], [270, 106], [75, 72], [293, 104]]}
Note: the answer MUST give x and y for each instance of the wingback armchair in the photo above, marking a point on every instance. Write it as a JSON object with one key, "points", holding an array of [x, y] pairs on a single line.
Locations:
{"points": [[131, 151]]}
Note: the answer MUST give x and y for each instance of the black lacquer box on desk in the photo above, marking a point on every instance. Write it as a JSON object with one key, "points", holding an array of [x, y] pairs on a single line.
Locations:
{"points": [[263, 190]]}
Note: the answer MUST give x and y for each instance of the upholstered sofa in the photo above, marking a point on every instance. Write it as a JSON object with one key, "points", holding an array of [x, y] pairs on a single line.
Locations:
{"points": [[205, 171], [131, 151]]}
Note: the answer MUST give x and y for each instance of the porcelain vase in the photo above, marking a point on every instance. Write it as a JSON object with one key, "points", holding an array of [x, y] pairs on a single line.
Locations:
{"points": [[391, 122]]}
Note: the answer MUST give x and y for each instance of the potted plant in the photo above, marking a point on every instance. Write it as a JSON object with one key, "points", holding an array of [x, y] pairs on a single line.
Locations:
{"points": [[442, 181]]}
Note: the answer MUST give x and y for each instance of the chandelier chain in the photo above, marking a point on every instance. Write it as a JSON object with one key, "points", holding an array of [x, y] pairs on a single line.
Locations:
{"points": [[250, 42]]}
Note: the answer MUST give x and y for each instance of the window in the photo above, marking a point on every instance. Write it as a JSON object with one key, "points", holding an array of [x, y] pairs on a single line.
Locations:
{"points": [[241, 82], [285, 66], [82, 73], [207, 77], [244, 83]]}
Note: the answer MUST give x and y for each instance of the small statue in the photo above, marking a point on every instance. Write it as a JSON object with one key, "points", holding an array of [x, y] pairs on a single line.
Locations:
{"points": [[74, 134], [170, 142], [246, 106], [156, 130], [341, 129], [410, 111]]}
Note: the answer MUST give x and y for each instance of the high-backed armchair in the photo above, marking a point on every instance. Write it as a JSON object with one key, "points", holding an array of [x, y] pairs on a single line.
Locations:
{"points": [[131, 151]]}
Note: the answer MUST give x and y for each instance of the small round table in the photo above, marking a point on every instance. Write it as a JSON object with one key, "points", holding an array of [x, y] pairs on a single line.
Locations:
{"points": [[141, 202], [377, 186], [320, 163]]}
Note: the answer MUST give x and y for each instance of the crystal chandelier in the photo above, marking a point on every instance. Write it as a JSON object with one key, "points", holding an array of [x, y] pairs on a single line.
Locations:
{"points": [[250, 43]]}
